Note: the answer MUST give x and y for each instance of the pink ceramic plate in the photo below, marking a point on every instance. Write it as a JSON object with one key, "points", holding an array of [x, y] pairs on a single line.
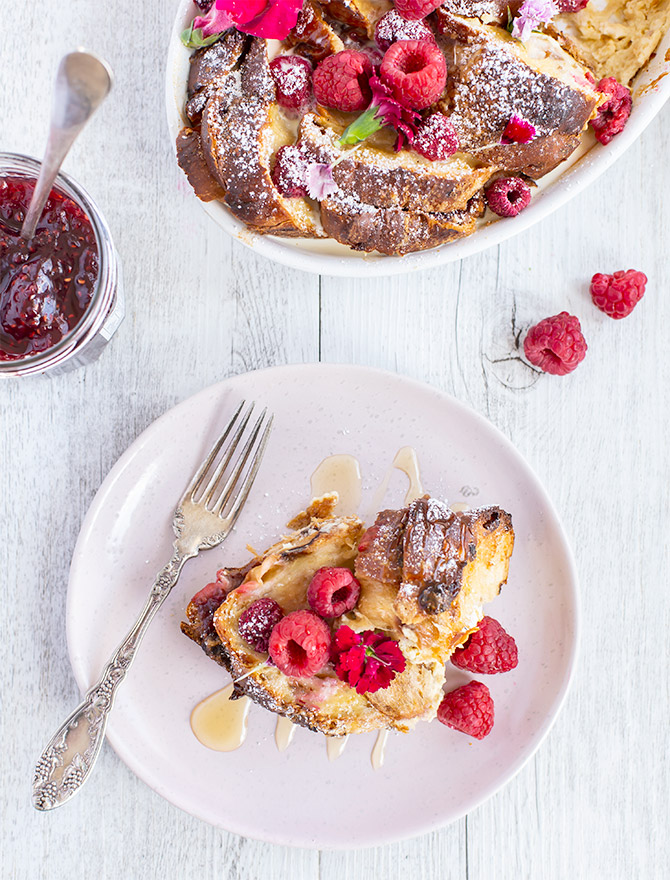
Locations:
{"points": [[430, 777]]}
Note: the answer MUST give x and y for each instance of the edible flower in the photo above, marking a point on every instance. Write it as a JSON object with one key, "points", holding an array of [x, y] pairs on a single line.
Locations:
{"points": [[270, 19], [320, 181], [367, 661], [518, 131], [383, 111], [206, 29], [531, 14]]}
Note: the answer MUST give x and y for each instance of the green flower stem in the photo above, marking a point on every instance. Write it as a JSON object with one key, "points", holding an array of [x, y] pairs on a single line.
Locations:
{"points": [[360, 129]]}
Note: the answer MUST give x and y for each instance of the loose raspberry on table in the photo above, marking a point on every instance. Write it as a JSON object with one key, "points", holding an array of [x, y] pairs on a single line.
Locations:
{"points": [[341, 81], [507, 196], [489, 649], [556, 345], [618, 294], [413, 10], [415, 71], [333, 591], [257, 622], [393, 27], [289, 174], [293, 81], [468, 709], [436, 138], [612, 116], [300, 644]]}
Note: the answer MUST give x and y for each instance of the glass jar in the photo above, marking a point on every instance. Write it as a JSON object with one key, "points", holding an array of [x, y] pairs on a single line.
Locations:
{"points": [[106, 309]]}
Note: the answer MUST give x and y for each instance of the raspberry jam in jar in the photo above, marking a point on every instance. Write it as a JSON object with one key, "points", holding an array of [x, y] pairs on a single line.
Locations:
{"points": [[60, 300]]}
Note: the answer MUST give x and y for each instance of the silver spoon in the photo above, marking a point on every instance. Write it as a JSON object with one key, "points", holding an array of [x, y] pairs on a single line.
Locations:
{"points": [[83, 82]]}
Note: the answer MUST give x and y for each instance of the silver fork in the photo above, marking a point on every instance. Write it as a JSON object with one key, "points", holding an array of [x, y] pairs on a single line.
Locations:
{"points": [[204, 517]]}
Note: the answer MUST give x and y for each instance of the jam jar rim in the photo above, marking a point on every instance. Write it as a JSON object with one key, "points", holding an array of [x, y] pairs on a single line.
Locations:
{"points": [[102, 298]]}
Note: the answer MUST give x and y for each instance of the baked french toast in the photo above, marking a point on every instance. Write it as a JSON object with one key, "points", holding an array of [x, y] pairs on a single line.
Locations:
{"points": [[384, 129], [422, 575]]}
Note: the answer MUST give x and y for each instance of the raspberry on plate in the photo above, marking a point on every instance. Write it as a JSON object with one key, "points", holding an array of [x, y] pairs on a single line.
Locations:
{"points": [[507, 196], [436, 138], [556, 345], [488, 650], [413, 10], [468, 709], [618, 294], [293, 81], [300, 644], [393, 27], [257, 622], [571, 5], [612, 116], [415, 71], [289, 174], [341, 81], [333, 591]]}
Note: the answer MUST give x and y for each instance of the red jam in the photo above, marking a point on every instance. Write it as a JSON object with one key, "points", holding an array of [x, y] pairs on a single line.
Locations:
{"points": [[45, 284]]}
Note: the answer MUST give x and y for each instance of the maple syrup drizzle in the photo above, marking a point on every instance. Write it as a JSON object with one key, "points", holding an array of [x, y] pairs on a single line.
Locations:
{"points": [[284, 733], [407, 462], [379, 750], [335, 745], [341, 474], [460, 506], [219, 722]]}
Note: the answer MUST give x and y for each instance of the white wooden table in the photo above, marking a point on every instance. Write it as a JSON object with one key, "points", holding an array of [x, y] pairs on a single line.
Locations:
{"points": [[593, 803]]}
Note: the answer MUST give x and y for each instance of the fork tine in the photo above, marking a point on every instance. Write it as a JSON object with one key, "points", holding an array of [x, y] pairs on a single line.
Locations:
{"points": [[234, 512], [200, 474], [225, 493], [226, 458]]}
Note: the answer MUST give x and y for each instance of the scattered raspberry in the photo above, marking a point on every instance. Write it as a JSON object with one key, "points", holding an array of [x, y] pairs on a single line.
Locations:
{"points": [[571, 5], [289, 174], [612, 116], [300, 644], [488, 650], [416, 72], [468, 709], [368, 661], [293, 81], [413, 10], [507, 196], [556, 345], [257, 622], [436, 138], [618, 294], [341, 81], [518, 131], [392, 27], [333, 591]]}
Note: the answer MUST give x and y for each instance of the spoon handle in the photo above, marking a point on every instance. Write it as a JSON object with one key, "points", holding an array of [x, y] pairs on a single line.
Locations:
{"points": [[67, 761], [83, 82]]}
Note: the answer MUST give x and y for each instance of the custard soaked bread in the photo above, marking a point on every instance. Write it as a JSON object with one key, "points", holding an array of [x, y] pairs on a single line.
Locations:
{"points": [[295, 626]]}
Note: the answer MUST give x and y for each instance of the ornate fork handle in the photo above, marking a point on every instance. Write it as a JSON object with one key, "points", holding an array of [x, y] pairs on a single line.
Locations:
{"points": [[73, 750]]}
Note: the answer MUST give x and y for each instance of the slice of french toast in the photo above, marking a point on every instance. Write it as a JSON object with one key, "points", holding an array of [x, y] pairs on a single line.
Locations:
{"points": [[312, 36], [493, 77], [360, 15], [425, 573]]}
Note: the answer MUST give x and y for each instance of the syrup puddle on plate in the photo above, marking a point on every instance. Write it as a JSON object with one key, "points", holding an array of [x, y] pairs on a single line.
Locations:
{"points": [[221, 723]]}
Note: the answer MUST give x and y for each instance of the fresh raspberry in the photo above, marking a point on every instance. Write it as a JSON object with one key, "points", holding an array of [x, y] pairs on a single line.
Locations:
{"points": [[300, 644], [436, 138], [468, 709], [393, 27], [618, 294], [341, 81], [489, 649], [414, 10], [612, 116], [518, 131], [333, 591], [289, 174], [571, 5], [507, 196], [257, 622], [293, 81], [415, 71], [556, 345]]}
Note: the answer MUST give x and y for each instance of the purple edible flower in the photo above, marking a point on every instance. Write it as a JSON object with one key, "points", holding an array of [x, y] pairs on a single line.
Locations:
{"points": [[320, 181], [531, 14]]}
